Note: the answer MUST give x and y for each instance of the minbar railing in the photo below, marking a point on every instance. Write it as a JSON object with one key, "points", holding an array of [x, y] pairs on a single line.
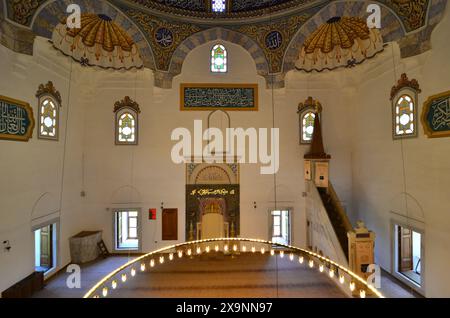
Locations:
{"points": [[338, 273]]}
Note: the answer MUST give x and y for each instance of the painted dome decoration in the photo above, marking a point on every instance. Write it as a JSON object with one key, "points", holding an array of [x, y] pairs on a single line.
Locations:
{"points": [[99, 42], [340, 42]]}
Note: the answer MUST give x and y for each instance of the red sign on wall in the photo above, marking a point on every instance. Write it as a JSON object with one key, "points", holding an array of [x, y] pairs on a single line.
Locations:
{"points": [[152, 214]]}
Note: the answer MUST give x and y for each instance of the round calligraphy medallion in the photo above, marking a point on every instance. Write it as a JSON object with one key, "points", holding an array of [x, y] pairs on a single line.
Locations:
{"points": [[274, 40], [164, 37]]}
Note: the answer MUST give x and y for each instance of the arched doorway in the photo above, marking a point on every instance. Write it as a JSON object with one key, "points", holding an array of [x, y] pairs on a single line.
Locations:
{"points": [[212, 201]]}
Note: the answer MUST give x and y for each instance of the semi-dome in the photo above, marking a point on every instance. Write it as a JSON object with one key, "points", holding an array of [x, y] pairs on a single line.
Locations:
{"points": [[98, 42], [341, 41]]}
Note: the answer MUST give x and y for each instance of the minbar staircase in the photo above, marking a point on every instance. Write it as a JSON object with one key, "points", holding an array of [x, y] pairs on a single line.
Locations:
{"points": [[337, 216]]}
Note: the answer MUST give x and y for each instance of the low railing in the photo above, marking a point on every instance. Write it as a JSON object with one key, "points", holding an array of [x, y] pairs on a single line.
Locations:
{"points": [[338, 273]]}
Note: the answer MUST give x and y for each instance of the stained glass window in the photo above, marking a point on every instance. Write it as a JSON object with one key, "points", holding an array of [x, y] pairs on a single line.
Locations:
{"points": [[126, 128], [218, 6], [404, 116], [218, 59], [48, 118], [307, 126]]}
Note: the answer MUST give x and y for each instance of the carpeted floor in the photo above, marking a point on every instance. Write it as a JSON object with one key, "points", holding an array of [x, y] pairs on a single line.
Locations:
{"points": [[249, 276]]}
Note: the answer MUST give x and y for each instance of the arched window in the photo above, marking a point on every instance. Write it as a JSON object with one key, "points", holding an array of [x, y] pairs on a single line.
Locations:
{"points": [[218, 6], [404, 116], [219, 59], [49, 101], [308, 126], [127, 112], [307, 114], [404, 108]]}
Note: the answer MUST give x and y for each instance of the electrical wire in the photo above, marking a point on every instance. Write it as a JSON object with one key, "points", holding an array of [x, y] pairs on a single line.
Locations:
{"points": [[405, 192], [65, 140], [272, 81]]}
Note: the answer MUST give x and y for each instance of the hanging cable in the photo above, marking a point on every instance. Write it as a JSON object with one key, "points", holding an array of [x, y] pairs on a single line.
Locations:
{"points": [[65, 139], [401, 147], [403, 155], [272, 81]]}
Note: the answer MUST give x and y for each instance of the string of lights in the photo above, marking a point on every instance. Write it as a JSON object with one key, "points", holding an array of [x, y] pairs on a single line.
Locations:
{"points": [[230, 245]]}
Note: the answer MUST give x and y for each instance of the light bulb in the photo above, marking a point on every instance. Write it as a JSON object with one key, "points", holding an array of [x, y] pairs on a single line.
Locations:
{"points": [[311, 263], [263, 250], [225, 248], [171, 256], [105, 292], [152, 263], [352, 286], [341, 279], [281, 254], [124, 278], [207, 249], [331, 273], [142, 267], [180, 254], [362, 293], [216, 248], [235, 247], [321, 268], [199, 250], [244, 248], [161, 260], [253, 249], [291, 257], [189, 252], [300, 259], [114, 284], [133, 272], [272, 252]]}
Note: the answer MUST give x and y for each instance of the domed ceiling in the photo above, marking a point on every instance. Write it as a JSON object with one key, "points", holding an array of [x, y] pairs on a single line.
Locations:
{"points": [[227, 8], [274, 32]]}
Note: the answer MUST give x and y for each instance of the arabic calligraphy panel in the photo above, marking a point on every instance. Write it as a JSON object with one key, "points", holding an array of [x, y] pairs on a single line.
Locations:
{"points": [[16, 119], [242, 97], [436, 115]]}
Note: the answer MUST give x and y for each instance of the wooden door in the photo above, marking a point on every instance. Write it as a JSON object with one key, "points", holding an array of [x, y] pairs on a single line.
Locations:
{"points": [[170, 224], [46, 246], [405, 249]]}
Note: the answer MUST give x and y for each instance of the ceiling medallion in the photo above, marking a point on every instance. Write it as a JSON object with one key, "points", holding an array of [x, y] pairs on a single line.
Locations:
{"points": [[274, 40], [164, 37]]}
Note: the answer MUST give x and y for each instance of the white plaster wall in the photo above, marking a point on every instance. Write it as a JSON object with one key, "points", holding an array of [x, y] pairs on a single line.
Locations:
{"points": [[31, 172], [378, 182], [148, 167], [154, 178]]}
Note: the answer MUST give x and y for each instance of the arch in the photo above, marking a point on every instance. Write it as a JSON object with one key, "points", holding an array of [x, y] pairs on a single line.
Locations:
{"points": [[219, 112], [126, 194], [415, 210], [46, 204], [49, 14], [213, 34], [220, 173], [392, 27], [411, 42]]}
